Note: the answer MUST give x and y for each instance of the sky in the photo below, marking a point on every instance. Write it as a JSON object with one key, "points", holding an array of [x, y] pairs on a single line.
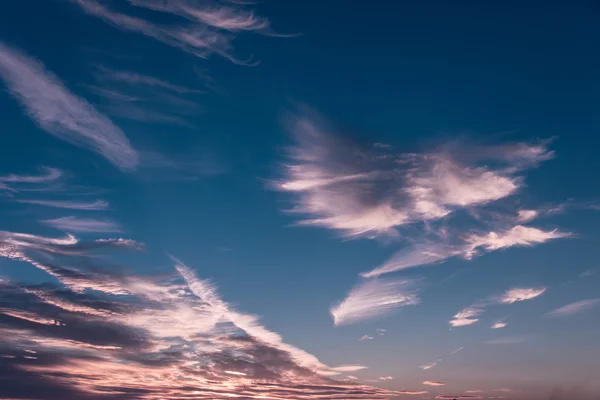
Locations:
{"points": [[221, 199]]}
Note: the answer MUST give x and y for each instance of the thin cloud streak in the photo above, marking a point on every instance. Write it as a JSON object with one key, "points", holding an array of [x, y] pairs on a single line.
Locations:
{"points": [[372, 299], [59, 112], [434, 383], [97, 205], [574, 308], [51, 174], [74, 224]]}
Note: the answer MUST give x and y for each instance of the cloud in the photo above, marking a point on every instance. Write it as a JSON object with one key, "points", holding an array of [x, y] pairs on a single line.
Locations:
{"points": [[516, 236], [366, 337], [414, 256], [521, 294], [372, 299], [466, 317], [508, 340], [222, 17], [50, 174], [574, 308], [457, 350], [526, 216], [430, 365], [133, 78], [386, 378], [434, 383], [70, 204], [412, 393], [461, 397], [168, 336], [206, 32], [362, 191], [74, 224], [59, 112]]}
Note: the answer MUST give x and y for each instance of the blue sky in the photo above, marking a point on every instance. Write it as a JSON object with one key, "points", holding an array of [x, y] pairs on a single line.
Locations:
{"points": [[299, 200]]}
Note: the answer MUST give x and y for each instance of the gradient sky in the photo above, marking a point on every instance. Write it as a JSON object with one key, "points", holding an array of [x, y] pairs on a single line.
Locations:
{"points": [[299, 200]]}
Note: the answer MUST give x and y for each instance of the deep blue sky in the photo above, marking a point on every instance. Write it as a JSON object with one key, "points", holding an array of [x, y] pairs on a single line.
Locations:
{"points": [[411, 75]]}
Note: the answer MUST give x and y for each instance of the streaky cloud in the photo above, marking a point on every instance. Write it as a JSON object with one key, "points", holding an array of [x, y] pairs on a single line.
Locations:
{"points": [[518, 235], [520, 294], [372, 299], [499, 325], [574, 308], [508, 340], [199, 40], [74, 224], [50, 174], [434, 383], [134, 78], [59, 112], [96, 205]]}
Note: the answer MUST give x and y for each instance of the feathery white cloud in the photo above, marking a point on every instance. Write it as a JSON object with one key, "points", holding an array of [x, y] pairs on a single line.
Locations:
{"points": [[466, 317], [574, 308], [373, 191], [520, 294], [74, 224], [526, 216], [366, 337], [59, 112], [518, 235], [207, 35], [499, 325], [374, 298]]}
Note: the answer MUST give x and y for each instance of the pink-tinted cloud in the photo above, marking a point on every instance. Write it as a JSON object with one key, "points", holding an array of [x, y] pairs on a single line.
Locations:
{"points": [[499, 325], [206, 31], [74, 224], [434, 383], [520, 294], [466, 317], [59, 112], [372, 299], [575, 308]]}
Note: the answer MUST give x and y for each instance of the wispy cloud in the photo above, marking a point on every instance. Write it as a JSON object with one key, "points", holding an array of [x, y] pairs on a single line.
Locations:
{"points": [[526, 216], [499, 325], [372, 299], [96, 205], [376, 191], [366, 337], [176, 327], [520, 294], [575, 308], [508, 340], [133, 78], [516, 236], [466, 317], [434, 383], [206, 32], [74, 224], [430, 365], [59, 112], [50, 174], [413, 392], [459, 397]]}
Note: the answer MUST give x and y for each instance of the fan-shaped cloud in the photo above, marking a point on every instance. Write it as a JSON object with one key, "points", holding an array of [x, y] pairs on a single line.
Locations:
{"points": [[372, 299]]}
